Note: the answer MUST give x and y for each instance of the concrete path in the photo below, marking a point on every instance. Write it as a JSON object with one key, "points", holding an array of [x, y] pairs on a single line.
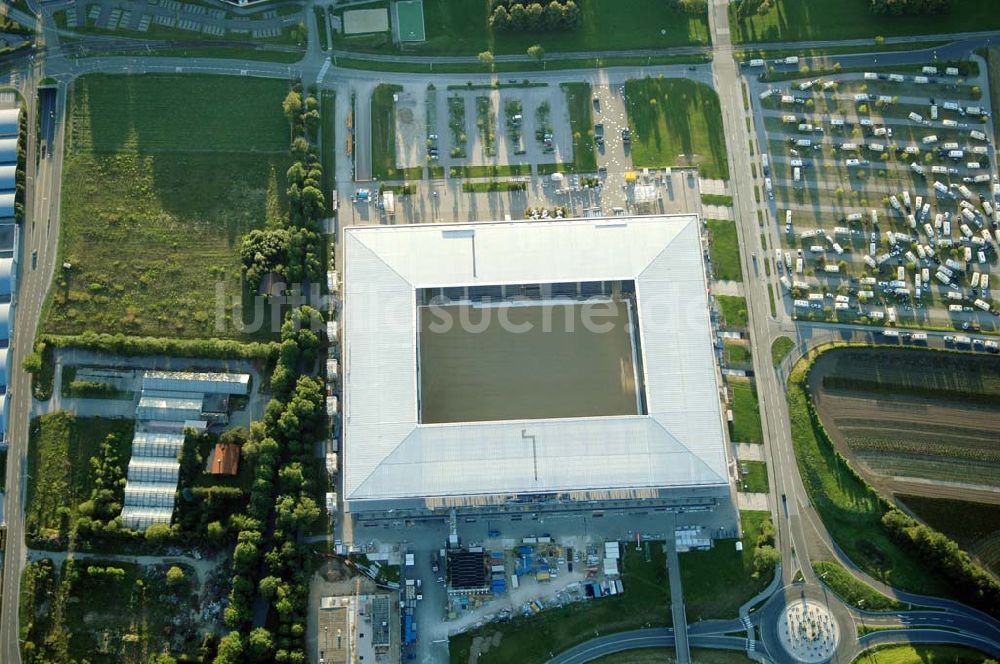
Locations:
{"points": [[682, 646], [748, 451], [752, 502]]}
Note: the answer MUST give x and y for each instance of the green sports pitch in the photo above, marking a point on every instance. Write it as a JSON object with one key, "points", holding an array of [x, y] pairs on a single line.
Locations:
{"points": [[486, 371], [410, 20]]}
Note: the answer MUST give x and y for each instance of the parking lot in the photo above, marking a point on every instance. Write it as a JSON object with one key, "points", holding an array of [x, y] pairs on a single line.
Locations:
{"points": [[881, 190]]}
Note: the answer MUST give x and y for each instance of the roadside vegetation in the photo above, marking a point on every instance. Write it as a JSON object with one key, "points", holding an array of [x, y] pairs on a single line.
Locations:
{"points": [[195, 181], [857, 594], [676, 122], [745, 427], [877, 537], [806, 20], [536, 639], [780, 349], [718, 581], [724, 249], [669, 656]]}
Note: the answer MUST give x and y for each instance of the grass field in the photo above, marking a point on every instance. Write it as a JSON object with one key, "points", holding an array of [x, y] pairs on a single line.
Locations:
{"points": [[157, 190], [733, 310], [581, 123], [59, 473], [496, 374], [922, 654], [746, 411], [668, 656], [754, 479], [975, 526], [850, 509], [534, 640], [736, 354], [328, 140], [804, 20], [724, 250], [91, 616], [780, 349], [676, 122], [913, 413], [718, 581], [852, 591], [462, 27], [384, 133]]}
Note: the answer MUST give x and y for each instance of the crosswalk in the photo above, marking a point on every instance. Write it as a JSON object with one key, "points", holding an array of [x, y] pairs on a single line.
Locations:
{"points": [[748, 626]]}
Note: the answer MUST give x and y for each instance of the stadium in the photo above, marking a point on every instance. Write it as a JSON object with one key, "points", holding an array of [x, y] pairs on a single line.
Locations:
{"points": [[565, 363]]}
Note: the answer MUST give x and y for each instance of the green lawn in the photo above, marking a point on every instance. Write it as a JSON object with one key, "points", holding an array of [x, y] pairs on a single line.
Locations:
{"points": [[157, 191], [802, 20], [534, 640], [737, 354], [668, 656], [60, 447], [489, 171], [922, 654], [718, 581], [724, 250], [717, 199], [746, 411], [754, 479], [462, 27], [676, 122], [780, 349], [852, 591], [733, 310], [328, 142], [850, 509], [581, 123], [383, 112]]}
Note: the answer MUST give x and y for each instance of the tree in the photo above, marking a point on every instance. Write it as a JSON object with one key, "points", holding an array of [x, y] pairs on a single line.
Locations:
{"points": [[32, 363], [292, 106], [230, 649], [537, 52], [175, 576], [260, 645], [157, 533], [500, 20], [486, 57]]}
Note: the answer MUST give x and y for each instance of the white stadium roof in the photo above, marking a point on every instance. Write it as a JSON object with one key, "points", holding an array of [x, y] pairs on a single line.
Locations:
{"points": [[8, 121], [390, 455]]}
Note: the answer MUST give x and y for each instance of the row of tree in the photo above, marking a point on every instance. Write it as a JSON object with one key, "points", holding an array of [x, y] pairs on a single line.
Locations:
{"points": [[286, 481], [294, 248], [971, 583], [19, 181], [520, 16], [911, 7]]}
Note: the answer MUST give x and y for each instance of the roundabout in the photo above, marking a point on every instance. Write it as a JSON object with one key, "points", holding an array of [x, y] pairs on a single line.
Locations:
{"points": [[808, 631]]}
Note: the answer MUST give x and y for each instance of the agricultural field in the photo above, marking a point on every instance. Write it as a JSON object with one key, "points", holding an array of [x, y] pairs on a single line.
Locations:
{"points": [[532, 640], [60, 476], [907, 414], [975, 526], [110, 612], [463, 28], [807, 20], [676, 122], [922, 654], [195, 180], [850, 158]]}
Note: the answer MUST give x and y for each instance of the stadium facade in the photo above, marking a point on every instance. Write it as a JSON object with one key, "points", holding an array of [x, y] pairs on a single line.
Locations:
{"points": [[671, 451]]}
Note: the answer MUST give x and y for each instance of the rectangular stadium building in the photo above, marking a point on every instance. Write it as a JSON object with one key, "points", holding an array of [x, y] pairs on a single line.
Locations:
{"points": [[565, 364]]}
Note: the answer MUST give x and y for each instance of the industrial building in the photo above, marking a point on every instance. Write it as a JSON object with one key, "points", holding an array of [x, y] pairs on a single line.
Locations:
{"points": [[652, 429], [170, 402], [358, 628]]}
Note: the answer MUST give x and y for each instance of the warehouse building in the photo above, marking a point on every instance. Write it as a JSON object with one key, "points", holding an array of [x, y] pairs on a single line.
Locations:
{"points": [[444, 413]]}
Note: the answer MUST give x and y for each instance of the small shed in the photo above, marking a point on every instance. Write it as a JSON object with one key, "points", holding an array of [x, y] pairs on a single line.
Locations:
{"points": [[225, 459]]}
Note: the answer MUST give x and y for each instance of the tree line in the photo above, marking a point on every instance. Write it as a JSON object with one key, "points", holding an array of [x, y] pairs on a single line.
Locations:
{"points": [[746, 8], [522, 16], [293, 248], [283, 506]]}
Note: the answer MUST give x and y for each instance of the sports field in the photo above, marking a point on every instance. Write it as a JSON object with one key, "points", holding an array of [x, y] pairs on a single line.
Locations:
{"points": [[410, 19], [556, 367]]}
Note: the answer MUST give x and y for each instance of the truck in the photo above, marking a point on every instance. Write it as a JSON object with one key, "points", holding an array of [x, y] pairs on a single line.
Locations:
{"points": [[756, 63], [599, 133], [934, 112], [915, 117], [921, 80], [765, 163]]}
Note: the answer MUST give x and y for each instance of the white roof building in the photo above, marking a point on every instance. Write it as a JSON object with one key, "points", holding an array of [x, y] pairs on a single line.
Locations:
{"points": [[389, 455], [8, 121]]}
